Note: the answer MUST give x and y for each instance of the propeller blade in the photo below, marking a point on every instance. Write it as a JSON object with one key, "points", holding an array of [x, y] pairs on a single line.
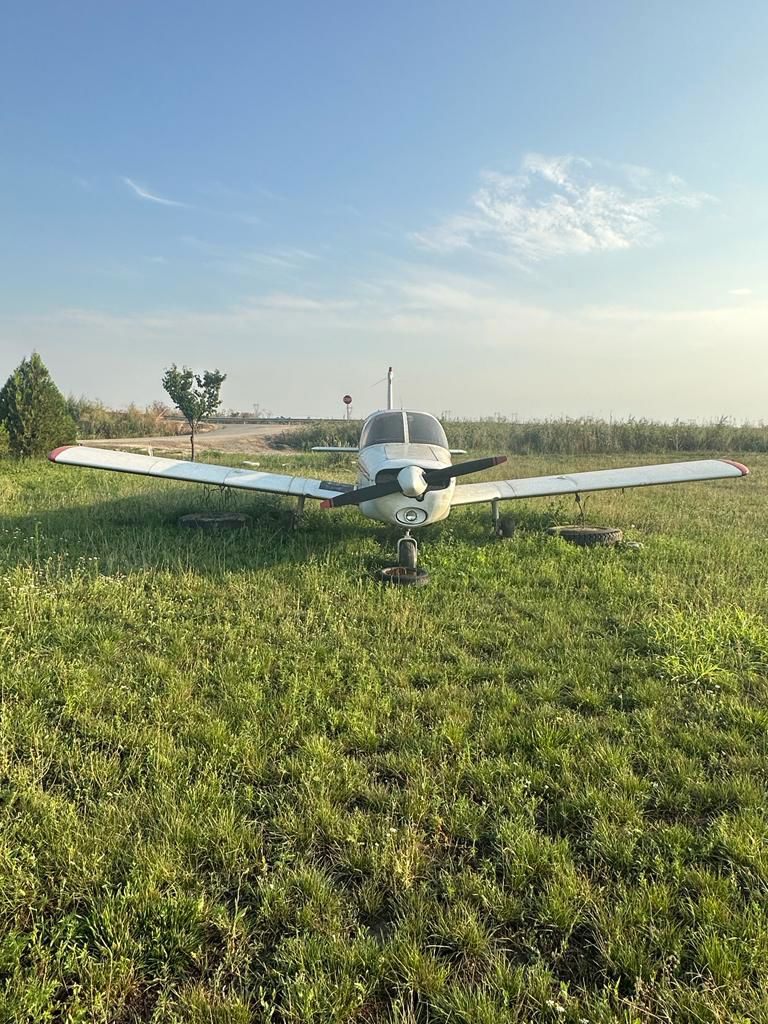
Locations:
{"points": [[362, 494], [431, 477], [441, 476]]}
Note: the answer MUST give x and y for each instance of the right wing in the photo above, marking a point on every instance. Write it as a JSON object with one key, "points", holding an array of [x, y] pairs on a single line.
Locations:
{"points": [[597, 480], [196, 472]]}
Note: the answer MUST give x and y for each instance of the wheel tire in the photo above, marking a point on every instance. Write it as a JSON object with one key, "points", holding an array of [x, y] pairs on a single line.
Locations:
{"points": [[214, 521], [505, 529], [402, 576], [588, 536], [407, 554]]}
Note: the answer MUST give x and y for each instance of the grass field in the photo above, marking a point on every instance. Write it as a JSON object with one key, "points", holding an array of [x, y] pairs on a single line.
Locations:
{"points": [[242, 782]]}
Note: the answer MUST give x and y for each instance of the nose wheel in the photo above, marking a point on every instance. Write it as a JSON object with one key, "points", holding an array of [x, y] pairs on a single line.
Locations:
{"points": [[407, 572], [407, 551]]}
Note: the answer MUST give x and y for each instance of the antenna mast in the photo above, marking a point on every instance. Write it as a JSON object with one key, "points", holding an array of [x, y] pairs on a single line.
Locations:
{"points": [[389, 388]]}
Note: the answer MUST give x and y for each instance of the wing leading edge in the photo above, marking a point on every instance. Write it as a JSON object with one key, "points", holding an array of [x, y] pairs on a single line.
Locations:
{"points": [[598, 480], [195, 472]]}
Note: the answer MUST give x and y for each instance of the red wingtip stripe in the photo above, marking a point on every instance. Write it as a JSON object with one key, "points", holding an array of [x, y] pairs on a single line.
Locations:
{"points": [[328, 503], [57, 451], [742, 469], [499, 459]]}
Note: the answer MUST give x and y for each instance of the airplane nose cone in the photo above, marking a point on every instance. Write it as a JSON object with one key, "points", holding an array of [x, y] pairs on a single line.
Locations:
{"points": [[411, 481]]}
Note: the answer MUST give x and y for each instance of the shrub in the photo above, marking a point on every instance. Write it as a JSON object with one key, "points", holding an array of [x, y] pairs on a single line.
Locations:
{"points": [[33, 410]]}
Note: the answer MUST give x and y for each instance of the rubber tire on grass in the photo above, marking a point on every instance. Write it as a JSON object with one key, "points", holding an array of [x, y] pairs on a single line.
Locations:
{"points": [[588, 536], [400, 576], [214, 521]]}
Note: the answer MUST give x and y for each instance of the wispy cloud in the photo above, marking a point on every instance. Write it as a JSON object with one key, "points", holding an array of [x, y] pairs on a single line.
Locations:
{"points": [[144, 194], [303, 304], [740, 291], [248, 262], [529, 345], [287, 258], [559, 206]]}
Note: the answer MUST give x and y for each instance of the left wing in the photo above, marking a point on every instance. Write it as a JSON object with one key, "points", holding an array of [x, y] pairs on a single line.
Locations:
{"points": [[196, 472], [598, 480]]}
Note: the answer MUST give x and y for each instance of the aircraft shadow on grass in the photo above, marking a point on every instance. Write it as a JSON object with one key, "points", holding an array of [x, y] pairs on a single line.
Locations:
{"points": [[142, 532]]}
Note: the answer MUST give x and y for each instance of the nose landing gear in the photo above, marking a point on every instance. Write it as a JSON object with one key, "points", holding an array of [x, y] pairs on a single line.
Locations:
{"points": [[407, 551], [407, 572]]}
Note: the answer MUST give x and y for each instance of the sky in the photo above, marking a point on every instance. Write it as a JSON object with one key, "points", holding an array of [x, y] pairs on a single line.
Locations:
{"points": [[527, 208]]}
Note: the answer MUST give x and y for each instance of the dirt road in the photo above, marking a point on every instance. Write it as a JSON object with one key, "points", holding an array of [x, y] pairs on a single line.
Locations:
{"points": [[225, 437]]}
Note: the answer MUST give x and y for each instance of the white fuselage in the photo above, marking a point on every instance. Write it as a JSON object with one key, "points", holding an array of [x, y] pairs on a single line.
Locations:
{"points": [[402, 509]]}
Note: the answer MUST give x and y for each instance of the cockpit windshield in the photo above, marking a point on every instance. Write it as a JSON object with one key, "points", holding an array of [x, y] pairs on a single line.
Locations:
{"points": [[388, 428], [385, 428], [425, 429]]}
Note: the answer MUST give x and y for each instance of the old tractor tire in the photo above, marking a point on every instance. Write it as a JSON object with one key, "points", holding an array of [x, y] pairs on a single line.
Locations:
{"points": [[588, 536], [401, 576], [214, 521]]}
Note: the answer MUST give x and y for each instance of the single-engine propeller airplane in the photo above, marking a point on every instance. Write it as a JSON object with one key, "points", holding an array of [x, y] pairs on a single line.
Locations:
{"points": [[405, 475]]}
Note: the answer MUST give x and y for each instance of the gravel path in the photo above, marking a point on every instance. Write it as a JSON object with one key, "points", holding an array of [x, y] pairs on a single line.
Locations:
{"points": [[225, 437]]}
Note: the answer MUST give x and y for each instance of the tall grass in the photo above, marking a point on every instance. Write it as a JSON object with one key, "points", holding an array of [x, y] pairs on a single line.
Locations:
{"points": [[96, 420], [582, 436]]}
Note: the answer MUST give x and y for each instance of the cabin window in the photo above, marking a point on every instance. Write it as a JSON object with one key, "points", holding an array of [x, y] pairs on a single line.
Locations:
{"points": [[424, 429], [386, 428]]}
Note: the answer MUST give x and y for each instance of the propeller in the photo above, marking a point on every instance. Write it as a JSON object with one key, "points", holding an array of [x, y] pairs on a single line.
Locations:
{"points": [[412, 481]]}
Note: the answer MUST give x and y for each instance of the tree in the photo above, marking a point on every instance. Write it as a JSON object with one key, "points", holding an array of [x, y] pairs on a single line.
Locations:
{"points": [[33, 410], [194, 403]]}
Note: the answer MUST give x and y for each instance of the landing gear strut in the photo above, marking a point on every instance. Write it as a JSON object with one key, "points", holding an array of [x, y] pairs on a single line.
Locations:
{"points": [[297, 516]]}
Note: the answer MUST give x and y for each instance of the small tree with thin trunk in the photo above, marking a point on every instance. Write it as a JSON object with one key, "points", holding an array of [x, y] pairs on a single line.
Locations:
{"points": [[34, 411], [195, 395]]}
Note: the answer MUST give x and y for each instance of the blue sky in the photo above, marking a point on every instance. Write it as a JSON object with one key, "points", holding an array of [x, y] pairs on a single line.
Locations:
{"points": [[527, 208]]}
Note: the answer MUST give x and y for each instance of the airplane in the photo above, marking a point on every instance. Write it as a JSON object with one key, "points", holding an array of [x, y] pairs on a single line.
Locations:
{"points": [[405, 477]]}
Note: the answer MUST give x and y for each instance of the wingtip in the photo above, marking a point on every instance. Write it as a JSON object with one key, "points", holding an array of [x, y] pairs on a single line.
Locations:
{"points": [[57, 451], [741, 468], [499, 459]]}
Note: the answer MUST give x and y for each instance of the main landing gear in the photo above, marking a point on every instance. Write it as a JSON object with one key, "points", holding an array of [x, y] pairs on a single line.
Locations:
{"points": [[297, 516], [503, 526]]}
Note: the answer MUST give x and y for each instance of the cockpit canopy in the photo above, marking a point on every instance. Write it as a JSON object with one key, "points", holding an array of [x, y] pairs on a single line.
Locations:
{"points": [[402, 428]]}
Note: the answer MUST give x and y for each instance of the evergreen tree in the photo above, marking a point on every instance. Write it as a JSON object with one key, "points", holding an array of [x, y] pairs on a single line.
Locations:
{"points": [[194, 403], [33, 410]]}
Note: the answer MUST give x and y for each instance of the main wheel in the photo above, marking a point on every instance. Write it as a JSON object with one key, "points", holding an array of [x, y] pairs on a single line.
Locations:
{"points": [[505, 528], [407, 553], [588, 536]]}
